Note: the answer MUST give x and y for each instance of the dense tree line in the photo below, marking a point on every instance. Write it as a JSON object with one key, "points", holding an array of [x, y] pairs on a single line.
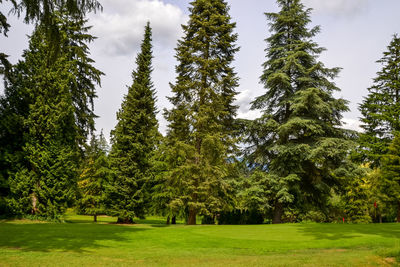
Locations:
{"points": [[294, 163]]}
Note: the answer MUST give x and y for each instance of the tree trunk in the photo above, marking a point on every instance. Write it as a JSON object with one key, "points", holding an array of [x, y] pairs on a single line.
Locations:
{"points": [[398, 212], [278, 212], [173, 220], [168, 220], [34, 200], [95, 218], [192, 217]]}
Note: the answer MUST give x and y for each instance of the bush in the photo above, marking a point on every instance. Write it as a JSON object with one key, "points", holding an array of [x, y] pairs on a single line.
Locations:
{"points": [[241, 217]]}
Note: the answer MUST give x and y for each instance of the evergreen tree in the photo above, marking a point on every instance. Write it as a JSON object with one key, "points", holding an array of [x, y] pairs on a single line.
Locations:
{"points": [[161, 191], [134, 140], [14, 108], [298, 139], [357, 196], [54, 134], [94, 177], [381, 108], [201, 122], [390, 178], [44, 12]]}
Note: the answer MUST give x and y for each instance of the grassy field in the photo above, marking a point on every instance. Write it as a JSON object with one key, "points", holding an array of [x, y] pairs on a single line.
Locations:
{"points": [[79, 242]]}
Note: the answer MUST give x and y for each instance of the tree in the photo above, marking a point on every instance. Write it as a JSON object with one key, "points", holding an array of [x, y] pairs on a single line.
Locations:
{"points": [[134, 140], [44, 12], [201, 122], [57, 120], [94, 178], [390, 183], [357, 196], [298, 139], [381, 108]]}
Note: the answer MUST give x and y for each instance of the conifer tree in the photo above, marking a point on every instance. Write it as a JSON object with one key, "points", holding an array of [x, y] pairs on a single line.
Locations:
{"points": [[389, 184], [94, 177], [45, 12], [57, 88], [381, 108], [201, 122], [134, 140], [297, 140]]}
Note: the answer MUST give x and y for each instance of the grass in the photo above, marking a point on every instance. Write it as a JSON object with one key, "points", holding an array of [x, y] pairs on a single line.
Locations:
{"points": [[79, 242]]}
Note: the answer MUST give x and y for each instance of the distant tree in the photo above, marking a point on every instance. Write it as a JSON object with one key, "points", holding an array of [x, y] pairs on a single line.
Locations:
{"points": [[57, 118], [357, 196], [134, 140], [201, 122], [94, 177], [390, 175], [161, 191], [381, 108], [298, 139]]}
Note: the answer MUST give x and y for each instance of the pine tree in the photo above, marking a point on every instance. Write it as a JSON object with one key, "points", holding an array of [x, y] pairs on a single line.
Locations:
{"points": [[54, 135], [45, 12], [357, 196], [201, 122], [94, 178], [381, 108], [389, 185], [297, 140], [134, 140], [14, 108]]}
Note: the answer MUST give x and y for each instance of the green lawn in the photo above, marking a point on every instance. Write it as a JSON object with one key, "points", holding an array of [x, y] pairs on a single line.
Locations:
{"points": [[79, 242]]}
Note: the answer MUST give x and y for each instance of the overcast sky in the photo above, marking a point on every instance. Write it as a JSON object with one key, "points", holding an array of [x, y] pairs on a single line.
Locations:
{"points": [[355, 33]]}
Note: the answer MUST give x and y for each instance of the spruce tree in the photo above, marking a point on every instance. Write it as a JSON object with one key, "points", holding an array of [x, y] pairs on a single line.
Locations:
{"points": [[381, 108], [201, 122], [94, 177], [54, 135], [134, 140], [389, 184], [298, 139]]}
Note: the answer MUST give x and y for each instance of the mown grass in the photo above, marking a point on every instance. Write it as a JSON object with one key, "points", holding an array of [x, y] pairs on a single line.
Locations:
{"points": [[80, 242]]}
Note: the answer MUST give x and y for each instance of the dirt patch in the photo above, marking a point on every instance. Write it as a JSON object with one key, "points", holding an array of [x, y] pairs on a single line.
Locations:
{"points": [[390, 260]]}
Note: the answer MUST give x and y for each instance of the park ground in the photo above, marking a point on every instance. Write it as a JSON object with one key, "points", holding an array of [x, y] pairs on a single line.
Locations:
{"points": [[80, 242]]}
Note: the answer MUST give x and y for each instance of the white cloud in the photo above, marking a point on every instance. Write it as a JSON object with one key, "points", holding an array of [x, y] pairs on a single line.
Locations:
{"points": [[352, 124], [337, 7], [120, 26]]}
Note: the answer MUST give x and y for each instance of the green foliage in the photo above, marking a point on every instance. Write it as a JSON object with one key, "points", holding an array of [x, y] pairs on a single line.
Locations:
{"points": [[49, 97], [299, 133], [240, 217], [262, 191], [94, 177], [201, 122], [390, 183], [357, 197], [134, 140], [381, 108], [4, 26]]}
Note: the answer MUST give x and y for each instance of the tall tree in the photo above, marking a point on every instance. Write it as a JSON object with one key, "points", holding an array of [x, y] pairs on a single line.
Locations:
{"points": [[381, 108], [57, 117], [134, 140], [298, 139], [389, 185], [201, 122]]}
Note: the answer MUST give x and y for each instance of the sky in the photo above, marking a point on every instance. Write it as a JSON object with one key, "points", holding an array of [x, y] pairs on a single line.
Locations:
{"points": [[354, 32]]}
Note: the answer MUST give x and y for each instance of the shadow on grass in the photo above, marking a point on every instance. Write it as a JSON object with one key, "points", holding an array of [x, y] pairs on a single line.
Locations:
{"points": [[345, 231], [64, 237]]}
